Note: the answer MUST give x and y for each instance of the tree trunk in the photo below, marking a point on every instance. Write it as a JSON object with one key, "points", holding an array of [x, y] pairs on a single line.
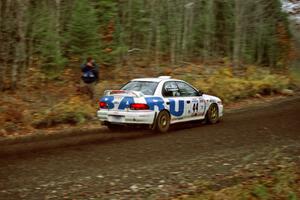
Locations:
{"points": [[57, 24], [179, 30], [188, 14], [2, 41], [260, 35], [6, 42], [171, 28], [237, 33], [209, 30], [150, 32], [157, 40], [20, 46]]}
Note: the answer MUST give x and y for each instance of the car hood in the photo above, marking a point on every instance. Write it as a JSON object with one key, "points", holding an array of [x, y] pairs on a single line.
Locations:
{"points": [[210, 97]]}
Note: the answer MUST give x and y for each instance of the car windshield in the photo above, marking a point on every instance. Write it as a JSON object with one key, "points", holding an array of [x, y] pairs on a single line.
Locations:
{"points": [[146, 87]]}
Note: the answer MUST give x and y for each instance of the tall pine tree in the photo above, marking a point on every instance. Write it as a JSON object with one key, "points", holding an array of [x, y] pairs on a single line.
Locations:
{"points": [[46, 45], [83, 35]]}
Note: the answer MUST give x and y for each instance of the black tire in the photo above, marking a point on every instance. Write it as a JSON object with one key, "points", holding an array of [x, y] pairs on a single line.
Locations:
{"points": [[114, 127], [162, 122], [212, 115]]}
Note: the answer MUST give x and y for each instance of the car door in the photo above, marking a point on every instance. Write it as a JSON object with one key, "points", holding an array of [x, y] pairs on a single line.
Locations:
{"points": [[173, 101], [194, 102]]}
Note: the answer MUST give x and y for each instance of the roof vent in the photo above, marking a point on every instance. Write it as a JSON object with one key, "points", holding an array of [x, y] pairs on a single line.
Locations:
{"points": [[164, 77]]}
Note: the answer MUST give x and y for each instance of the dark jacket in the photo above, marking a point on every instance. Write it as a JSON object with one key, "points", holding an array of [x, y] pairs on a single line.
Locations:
{"points": [[90, 74]]}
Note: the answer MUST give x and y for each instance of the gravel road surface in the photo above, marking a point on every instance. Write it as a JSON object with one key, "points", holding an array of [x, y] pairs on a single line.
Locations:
{"points": [[157, 166]]}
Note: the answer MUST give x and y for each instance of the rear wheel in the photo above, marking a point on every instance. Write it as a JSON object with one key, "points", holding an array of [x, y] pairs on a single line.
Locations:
{"points": [[162, 122], [212, 115]]}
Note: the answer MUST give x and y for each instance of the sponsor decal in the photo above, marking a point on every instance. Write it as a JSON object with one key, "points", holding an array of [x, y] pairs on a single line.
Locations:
{"points": [[125, 103], [180, 110], [109, 101], [154, 103]]}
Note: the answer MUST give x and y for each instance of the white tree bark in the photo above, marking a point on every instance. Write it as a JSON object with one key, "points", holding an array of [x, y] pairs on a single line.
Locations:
{"points": [[188, 14]]}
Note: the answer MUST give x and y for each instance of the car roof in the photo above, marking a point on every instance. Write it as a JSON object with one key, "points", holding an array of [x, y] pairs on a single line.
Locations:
{"points": [[159, 79]]}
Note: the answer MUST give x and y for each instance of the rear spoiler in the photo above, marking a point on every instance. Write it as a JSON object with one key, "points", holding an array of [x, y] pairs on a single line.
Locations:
{"points": [[123, 92]]}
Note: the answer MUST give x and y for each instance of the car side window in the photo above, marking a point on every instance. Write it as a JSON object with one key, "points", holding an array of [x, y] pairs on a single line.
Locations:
{"points": [[170, 89], [186, 90]]}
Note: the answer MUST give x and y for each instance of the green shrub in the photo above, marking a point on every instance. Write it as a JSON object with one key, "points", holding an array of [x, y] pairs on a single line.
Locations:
{"points": [[261, 192]]}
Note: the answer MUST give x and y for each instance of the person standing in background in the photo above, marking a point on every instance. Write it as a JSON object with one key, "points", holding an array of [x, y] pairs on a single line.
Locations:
{"points": [[90, 76]]}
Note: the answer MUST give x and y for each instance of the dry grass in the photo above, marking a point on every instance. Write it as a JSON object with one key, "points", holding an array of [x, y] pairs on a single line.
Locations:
{"points": [[41, 102], [75, 110], [255, 81]]}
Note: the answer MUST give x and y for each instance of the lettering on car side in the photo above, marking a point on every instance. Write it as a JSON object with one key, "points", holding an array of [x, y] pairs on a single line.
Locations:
{"points": [[152, 102]]}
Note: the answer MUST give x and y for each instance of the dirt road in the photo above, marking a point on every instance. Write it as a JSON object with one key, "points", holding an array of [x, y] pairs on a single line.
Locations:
{"points": [[157, 166]]}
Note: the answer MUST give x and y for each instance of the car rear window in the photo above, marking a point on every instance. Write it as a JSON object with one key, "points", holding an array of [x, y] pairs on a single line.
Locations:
{"points": [[146, 87]]}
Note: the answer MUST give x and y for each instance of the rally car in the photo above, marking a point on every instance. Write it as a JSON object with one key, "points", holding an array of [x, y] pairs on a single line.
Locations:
{"points": [[157, 102]]}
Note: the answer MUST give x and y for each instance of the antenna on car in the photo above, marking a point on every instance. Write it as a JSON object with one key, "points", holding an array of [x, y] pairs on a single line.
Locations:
{"points": [[164, 77]]}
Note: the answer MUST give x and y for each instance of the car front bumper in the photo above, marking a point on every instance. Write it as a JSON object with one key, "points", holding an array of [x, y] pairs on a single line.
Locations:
{"points": [[221, 110], [126, 117]]}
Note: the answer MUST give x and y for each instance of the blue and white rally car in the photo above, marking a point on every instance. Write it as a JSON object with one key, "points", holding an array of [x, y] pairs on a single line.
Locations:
{"points": [[157, 102]]}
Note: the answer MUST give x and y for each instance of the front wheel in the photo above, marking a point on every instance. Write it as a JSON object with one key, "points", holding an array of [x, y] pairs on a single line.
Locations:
{"points": [[212, 115], [162, 122]]}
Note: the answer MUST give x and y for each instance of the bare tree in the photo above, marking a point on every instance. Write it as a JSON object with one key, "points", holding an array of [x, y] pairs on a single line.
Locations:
{"points": [[188, 21], [6, 38], [20, 46], [238, 28], [57, 23], [157, 34], [2, 40], [172, 28]]}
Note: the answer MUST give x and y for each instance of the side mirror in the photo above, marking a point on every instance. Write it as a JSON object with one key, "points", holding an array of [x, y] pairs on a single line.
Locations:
{"points": [[200, 92]]}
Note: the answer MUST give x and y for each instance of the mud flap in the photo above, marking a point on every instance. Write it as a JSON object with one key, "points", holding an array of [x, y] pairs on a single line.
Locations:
{"points": [[153, 125]]}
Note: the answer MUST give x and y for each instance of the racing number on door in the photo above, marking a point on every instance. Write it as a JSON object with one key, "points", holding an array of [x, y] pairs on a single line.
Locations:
{"points": [[195, 107]]}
